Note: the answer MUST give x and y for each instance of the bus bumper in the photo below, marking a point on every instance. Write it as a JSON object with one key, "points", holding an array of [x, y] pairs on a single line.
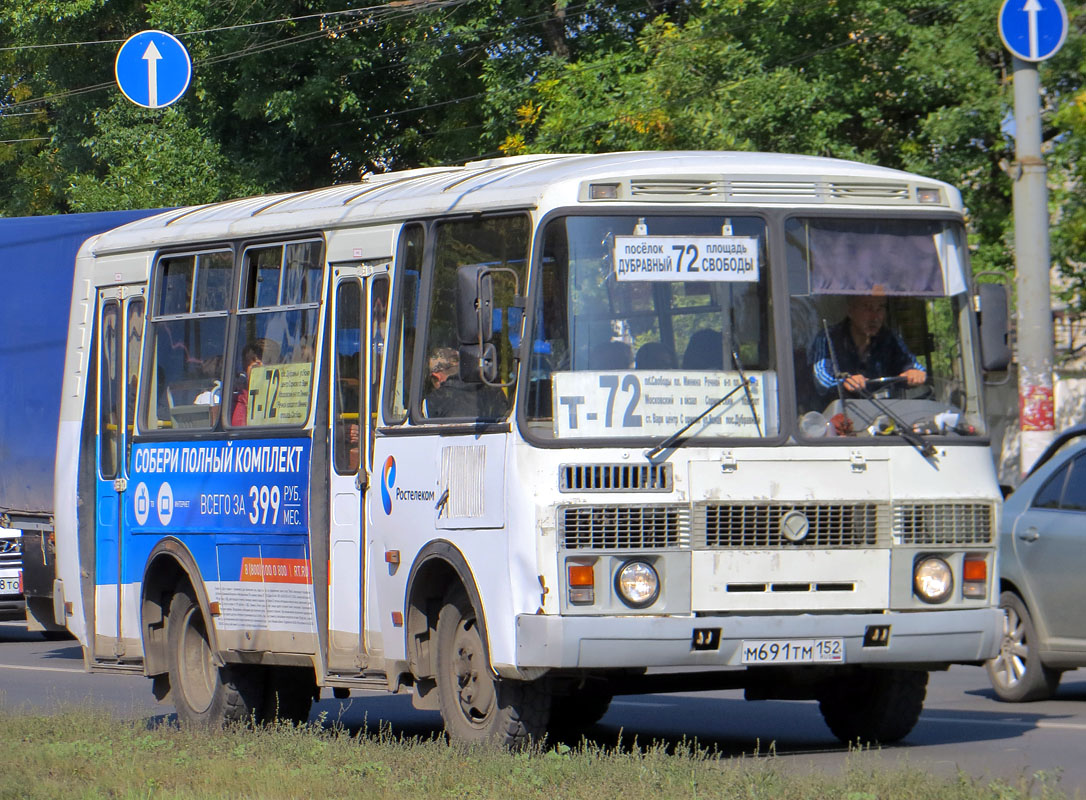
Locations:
{"points": [[933, 638]]}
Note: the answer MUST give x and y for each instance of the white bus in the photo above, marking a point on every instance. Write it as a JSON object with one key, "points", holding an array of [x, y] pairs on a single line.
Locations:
{"points": [[510, 435]]}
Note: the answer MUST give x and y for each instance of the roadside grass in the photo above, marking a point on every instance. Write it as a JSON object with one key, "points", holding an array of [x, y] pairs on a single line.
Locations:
{"points": [[87, 753]]}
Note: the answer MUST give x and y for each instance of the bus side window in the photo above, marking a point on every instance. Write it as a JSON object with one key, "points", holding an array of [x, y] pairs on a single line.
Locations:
{"points": [[187, 316], [348, 370], [278, 316], [401, 337]]}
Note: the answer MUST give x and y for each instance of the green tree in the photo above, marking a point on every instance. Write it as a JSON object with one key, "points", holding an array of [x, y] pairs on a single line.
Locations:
{"points": [[920, 85]]}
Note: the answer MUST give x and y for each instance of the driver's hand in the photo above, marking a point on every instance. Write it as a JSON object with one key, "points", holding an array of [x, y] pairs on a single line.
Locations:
{"points": [[854, 383], [914, 377]]}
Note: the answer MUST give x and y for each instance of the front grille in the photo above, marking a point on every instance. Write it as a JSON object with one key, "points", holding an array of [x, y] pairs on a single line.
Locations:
{"points": [[11, 551], [943, 523], [623, 527], [615, 478], [758, 525]]}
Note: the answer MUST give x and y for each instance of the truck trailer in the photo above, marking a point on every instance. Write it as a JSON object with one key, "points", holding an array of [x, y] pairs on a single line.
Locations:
{"points": [[37, 260]]}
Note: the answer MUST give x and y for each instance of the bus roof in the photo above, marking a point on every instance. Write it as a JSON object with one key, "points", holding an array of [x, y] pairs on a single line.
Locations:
{"points": [[710, 177]]}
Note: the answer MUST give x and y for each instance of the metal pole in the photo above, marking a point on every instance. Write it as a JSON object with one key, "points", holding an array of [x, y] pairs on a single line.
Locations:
{"points": [[1036, 408]]}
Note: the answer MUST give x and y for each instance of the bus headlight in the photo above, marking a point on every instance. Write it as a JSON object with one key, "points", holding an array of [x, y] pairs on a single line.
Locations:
{"points": [[637, 584], [932, 579]]}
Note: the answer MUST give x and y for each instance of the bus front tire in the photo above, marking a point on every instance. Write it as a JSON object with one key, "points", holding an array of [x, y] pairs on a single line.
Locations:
{"points": [[574, 713], [476, 705], [874, 705], [204, 694]]}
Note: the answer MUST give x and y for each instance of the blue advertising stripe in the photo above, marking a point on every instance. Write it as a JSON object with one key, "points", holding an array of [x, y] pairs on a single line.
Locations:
{"points": [[250, 486]]}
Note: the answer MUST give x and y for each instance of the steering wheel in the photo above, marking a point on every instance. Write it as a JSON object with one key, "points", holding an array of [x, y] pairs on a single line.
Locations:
{"points": [[886, 381]]}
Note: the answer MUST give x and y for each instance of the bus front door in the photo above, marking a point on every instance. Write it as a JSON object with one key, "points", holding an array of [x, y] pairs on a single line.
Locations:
{"points": [[358, 309], [120, 329]]}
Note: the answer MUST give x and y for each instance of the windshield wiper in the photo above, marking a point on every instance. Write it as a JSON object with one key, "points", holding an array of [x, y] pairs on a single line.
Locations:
{"points": [[925, 448], [746, 391], [673, 438]]}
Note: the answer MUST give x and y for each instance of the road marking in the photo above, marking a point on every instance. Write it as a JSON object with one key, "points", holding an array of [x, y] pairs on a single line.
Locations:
{"points": [[1010, 723], [43, 669]]}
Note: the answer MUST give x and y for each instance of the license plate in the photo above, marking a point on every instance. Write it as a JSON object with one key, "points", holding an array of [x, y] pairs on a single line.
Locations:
{"points": [[793, 651], [12, 585]]}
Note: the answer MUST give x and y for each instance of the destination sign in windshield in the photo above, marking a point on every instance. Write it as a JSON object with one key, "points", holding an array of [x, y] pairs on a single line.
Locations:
{"points": [[647, 403], [686, 258]]}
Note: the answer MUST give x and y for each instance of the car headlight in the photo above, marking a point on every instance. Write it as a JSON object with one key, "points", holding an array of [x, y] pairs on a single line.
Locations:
{"points": [[637, 584], [932, 579]]}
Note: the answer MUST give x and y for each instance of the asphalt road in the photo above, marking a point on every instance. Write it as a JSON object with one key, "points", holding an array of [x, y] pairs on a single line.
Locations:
{"points": [[963, 727]]}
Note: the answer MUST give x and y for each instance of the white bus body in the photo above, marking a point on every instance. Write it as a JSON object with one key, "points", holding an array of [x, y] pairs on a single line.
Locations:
{"points": [[441, 432]]}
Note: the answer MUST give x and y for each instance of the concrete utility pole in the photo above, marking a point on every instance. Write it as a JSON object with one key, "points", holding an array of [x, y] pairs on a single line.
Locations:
{"points": [[1036, 353], [1032, 30]]}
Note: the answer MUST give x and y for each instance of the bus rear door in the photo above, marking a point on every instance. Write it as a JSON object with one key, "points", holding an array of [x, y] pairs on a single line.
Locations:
{"points": [[120, 331]]}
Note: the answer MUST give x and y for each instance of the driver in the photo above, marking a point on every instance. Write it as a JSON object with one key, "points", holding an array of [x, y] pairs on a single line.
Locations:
{"points": [[864, 348]]}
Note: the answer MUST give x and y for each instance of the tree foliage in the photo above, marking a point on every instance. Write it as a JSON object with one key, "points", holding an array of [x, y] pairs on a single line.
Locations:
{"points": [[292, 94]]}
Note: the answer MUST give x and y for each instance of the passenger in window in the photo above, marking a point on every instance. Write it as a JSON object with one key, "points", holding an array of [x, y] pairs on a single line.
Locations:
{"points": [[212, 395], [654, 355], [611, 355], [251, 357], [864, 348], [705, 350], [448, 396]]}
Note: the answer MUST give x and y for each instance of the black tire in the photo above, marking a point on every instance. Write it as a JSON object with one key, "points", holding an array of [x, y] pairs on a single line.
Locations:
{"points": [[874, 706], [1016, 673], [288, 695], [574, 713], [205, 695], [476, 705]]}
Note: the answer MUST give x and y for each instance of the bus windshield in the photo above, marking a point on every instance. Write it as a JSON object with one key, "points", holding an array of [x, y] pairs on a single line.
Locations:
{"points": [[644, 322], [881, 328]]}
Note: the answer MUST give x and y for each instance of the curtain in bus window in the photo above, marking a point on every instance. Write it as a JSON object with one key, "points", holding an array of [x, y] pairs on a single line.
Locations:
{"points": [[892, 257]]}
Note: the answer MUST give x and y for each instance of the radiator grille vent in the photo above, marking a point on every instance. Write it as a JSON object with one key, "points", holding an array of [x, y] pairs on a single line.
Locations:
{"points": [[943, 523], [880, 191], [623, 527], [816, 191], [615, 478], [11, 551], [754, 525]]}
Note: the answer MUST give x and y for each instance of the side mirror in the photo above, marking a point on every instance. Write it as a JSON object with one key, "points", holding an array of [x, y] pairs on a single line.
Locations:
{"points": [[474, 304], [993, 319], [479, 363]]}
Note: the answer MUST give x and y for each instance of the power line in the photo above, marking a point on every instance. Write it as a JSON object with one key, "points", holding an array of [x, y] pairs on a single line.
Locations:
{"points": [[395, 4]]}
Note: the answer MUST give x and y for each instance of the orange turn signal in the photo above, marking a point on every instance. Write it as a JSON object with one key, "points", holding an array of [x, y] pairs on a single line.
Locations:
{"points": [[581, 575], [975, 569]]}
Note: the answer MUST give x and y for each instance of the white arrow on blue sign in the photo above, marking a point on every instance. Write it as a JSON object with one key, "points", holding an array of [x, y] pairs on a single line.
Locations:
{"points": [[1033, 30], [153, 69]]}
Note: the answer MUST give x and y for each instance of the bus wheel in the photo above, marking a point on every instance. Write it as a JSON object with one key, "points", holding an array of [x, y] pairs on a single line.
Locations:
{"points": [[288, 695], [574, 713], [874, 705], [204, 694], [476, 705]]}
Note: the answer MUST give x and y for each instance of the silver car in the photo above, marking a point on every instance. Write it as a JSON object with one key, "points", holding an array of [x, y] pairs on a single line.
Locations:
{"points": [[1042, 566]]}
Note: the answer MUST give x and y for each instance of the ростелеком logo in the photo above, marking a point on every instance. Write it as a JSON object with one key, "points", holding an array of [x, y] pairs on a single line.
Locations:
{"points": [[388, 480]]}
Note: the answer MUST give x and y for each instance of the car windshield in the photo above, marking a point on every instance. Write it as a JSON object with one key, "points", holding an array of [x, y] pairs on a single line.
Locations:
{"points": [[881, 328], [644, 322]]}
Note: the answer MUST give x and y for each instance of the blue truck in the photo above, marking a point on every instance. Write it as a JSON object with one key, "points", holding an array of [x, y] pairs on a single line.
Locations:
{"points": [[37, 261]]}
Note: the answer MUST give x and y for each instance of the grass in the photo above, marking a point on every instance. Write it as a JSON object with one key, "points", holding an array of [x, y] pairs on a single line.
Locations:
{"points": [[86, 753]]}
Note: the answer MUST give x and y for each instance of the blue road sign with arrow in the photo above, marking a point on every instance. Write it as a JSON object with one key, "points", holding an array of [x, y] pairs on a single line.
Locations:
{"points": [[153, 69], [1033, 30]]}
